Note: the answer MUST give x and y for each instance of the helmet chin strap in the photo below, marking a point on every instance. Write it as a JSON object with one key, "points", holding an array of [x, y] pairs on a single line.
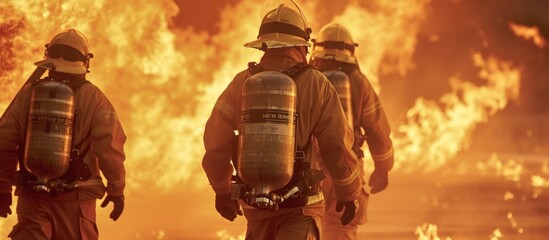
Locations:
{"points": [[87, 63]]}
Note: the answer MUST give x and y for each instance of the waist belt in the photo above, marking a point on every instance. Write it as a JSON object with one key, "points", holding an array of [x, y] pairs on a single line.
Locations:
{"points": [[302, 201], [26, 182]]}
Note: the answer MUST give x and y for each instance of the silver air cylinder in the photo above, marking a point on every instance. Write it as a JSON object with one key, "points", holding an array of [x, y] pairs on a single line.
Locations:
{"points": [[48, 139], [267, 134], [342, 84]]}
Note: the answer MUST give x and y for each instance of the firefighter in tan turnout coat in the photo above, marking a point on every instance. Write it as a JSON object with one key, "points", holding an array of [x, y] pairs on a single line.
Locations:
{"points": [[61, 131], [333, 54], [268, 136]]}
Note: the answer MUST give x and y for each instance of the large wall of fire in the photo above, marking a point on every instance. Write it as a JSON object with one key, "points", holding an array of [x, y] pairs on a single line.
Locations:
{"points": [[448, 71]]}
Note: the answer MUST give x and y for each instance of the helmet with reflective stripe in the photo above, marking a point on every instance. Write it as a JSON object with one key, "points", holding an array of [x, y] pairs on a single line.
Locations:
{"points": [[283, 25], [67, 52], [336, 43]]}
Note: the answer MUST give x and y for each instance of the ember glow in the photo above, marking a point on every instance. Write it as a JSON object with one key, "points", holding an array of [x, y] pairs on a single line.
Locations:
{"points": [[428, 231], [496, 235], [224, 235], [163, 77], [528, 33]]}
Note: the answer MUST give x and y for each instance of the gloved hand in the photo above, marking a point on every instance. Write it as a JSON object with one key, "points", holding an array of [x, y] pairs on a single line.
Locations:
{"points": [[350, 210], [227, 207], [378, 181], [118, 202], [5, 203]]}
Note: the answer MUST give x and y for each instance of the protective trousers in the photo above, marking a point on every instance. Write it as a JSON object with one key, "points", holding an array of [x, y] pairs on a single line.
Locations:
{"points": [[52, 219], [293, 225], [331, 221]]}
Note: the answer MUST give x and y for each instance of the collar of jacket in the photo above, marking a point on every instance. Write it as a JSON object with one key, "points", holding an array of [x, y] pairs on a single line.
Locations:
{"points": [[297, 54], [329, 64], [61, 75]]}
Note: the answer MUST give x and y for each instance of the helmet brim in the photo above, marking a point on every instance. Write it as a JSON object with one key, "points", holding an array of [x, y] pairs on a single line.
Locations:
{"points": [[277, 40], [61, 65], [334, 55]]}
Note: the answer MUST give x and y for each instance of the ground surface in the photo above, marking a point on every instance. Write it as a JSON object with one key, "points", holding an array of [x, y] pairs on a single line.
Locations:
{"points": [[465, 205]]}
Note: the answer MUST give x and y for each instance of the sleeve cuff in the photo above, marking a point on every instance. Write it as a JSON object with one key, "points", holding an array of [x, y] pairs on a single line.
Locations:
{"points": [[222, 187], [384, 161], [116, 188], [349, 191]]}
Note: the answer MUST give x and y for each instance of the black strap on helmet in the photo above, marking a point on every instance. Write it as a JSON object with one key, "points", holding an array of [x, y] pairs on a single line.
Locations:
{"points": [[337, 45], [68, 53], [280, 27]]}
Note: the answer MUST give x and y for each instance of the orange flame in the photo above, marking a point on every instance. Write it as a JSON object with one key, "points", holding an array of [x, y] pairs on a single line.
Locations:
{"points": [[428, 231], [496, 234], [139, 64], [507, 196], [539, 181], [163, 81], [436, 132], [528, 33], [386, 36], [225, 235], [510, 170]]}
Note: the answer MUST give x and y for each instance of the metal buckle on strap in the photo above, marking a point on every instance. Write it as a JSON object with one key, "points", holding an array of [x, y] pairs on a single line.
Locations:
{"points": [[299, 155]]}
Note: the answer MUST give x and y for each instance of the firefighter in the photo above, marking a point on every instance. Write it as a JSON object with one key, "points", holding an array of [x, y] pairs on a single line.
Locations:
{"points": [[334, 52], [61, 207], [283, 36]]}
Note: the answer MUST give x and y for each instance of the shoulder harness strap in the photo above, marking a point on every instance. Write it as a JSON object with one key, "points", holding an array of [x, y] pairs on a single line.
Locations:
{"points": [[297, 69], [254, 68], [81, 171], [292, 72]]}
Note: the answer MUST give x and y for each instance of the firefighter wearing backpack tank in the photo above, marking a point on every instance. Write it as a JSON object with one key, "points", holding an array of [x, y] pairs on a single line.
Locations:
{"points": [[65, 210], [283, 36], [334, 51]]}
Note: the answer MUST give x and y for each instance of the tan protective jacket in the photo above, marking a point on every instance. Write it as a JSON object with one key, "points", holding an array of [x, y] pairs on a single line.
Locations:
{"points": [[368, 114], [320, 115], [96, 116]]}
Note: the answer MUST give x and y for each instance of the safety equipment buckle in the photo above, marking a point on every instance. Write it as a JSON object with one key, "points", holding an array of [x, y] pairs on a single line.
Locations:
{"points": [[299, 155]]}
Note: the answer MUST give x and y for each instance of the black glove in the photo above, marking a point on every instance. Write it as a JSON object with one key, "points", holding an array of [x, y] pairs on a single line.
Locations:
{"points": [[378, 181], [118, 202], [5, 203], [227, 207], [350, 211]]}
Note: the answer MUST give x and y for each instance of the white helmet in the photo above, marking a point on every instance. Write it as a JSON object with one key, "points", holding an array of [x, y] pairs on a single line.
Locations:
{"points": [[67, 52], [336, 43], [283, 25]]}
